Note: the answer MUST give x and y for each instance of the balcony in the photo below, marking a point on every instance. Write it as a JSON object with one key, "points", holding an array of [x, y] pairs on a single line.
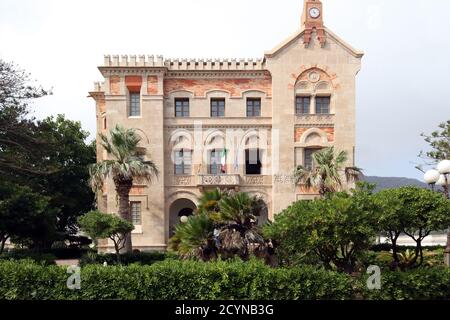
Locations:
{"points": [[315, 120], [225, 180]]}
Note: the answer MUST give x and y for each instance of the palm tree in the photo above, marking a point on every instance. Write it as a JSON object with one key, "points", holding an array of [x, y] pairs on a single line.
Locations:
{"points": [[239, 233], [208, 203], [225, 223], [195, 238], [126, 165], [327, 172]]}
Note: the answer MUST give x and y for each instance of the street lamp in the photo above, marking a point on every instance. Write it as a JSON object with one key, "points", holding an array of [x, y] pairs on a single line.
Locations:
{"points": [[432, 177], [444, 170]]}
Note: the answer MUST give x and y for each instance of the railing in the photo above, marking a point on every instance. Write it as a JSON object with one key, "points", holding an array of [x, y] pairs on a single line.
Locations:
{"points": [[315, 119], [218, 180]]}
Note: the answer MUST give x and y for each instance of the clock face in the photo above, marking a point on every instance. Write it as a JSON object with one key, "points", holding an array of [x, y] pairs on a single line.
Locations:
{"points": [[314, 13]]}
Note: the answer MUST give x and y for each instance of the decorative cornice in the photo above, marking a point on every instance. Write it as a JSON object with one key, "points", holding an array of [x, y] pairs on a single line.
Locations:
{"points": [[108, 71], [218, 126]]}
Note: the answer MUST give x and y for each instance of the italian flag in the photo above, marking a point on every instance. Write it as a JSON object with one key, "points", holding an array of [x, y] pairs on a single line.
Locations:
{"points": [[223, 161]]}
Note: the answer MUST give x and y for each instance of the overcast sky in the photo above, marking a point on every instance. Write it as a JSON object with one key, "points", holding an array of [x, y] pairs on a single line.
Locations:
{"points": [[403, 88]]}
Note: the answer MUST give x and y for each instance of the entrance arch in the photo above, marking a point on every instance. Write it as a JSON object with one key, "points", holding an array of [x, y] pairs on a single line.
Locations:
{"points": [[179, 208]]}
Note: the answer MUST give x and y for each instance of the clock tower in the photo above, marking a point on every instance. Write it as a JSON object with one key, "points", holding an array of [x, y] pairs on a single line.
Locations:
{"points": [[312, 21]]}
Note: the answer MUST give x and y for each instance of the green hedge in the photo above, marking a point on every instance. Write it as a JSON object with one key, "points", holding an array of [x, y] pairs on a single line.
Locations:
{"points": [[420, 284], [180, 280], [173, 279], [45, 258]]}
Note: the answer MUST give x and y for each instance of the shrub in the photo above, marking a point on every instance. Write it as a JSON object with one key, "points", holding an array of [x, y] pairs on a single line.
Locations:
{"points": [[336, 230], [180, 280], [173, 280], [42, 258], [420, 284]]}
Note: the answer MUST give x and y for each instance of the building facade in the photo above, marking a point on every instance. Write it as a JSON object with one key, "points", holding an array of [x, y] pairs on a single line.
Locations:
{"points": [[239, 124]]}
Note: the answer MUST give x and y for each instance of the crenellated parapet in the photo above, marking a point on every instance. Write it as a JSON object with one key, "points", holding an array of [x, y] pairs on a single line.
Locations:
{"points": [[214, 64], [133, 61], [151, 61]]}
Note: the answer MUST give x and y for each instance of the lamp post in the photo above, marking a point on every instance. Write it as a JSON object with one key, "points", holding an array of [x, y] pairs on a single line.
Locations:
{"points": [[431, 177], [444, 170]]}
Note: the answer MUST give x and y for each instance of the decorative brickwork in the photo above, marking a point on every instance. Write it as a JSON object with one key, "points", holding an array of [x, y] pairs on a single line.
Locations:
{"points": [[234, 86], [114, 83], [329, 131], [152, 85]]}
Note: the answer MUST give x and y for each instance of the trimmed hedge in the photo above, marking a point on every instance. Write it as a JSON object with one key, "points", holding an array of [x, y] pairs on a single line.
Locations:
{"points": [[44, 258], [173, 280], [179, 280], [420, 284]]}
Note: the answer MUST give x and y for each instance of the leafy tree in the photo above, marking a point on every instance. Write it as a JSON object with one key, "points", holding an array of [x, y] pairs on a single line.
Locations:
{"points": [[439, 142], [24, 215], [50, 157], [106, 226], [391, 218], [327, 172], [335, 230], [19, 145], [125, 166], [415, 212], [68, 186]]}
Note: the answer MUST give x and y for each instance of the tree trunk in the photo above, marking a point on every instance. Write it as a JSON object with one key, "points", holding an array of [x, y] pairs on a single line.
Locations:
{"points": [[117, 246], [123, 187], [3, 242], [394, 247]]}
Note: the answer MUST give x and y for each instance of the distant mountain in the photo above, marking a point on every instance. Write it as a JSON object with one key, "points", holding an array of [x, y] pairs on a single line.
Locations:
{"points": [[388, 183]]}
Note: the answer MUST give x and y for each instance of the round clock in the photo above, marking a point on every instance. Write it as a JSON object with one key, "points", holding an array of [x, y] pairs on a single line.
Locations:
{"points": [[314, 13]]}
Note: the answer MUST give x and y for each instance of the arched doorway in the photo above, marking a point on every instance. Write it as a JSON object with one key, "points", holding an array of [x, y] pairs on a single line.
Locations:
{"points": [[178, 209]]}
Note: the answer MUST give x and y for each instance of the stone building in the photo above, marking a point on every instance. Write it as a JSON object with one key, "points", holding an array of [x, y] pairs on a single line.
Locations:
{"points": [[241, 124]]}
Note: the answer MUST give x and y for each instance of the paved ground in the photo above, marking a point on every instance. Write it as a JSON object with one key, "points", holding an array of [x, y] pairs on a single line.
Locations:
{"points": [[73, 262]]}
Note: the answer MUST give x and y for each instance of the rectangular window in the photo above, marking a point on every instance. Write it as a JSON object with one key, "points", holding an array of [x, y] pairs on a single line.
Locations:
{"points": [[308, 160], [182, 108], [135, 208], [217, 108], [217, 162], [322, 105], [253, 107], [183, 162], [135, 104], [302, 105]]}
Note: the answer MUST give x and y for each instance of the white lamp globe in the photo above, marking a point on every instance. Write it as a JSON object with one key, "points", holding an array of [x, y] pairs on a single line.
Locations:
{"points": [[432, 176], [184, 219], [442, 182], [444, 167]]}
